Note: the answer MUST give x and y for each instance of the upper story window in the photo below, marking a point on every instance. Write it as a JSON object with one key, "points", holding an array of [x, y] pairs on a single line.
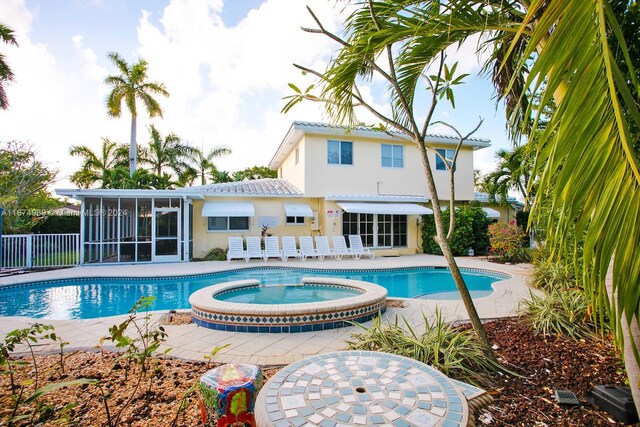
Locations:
{"points": [[392, 156], [447, 154], [339, 152]]}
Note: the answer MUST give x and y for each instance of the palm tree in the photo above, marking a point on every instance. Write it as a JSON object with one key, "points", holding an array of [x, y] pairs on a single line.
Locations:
{"points": [[131, 84], [94, 166], [219, 177], [6, 75], [513, 172], [167, 153], [203, 164], [586, 160]]}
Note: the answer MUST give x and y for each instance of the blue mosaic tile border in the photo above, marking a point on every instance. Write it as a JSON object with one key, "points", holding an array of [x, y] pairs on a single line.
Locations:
{"points": [[286, 323], [324, 285]]}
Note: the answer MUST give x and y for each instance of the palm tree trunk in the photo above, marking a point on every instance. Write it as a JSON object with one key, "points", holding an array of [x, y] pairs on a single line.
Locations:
{"points": [[133, 148]]}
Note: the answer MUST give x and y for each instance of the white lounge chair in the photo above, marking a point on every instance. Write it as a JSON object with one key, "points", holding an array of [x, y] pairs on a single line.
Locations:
{"points": [[323, 249], [289, 249], [235, 250], [340, 247], [357, 248], [254, 249], [306, 247], [272, 248]]}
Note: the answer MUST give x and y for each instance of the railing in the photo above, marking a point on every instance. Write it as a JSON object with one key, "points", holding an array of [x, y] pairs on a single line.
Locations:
{"points": [[40, 250]]}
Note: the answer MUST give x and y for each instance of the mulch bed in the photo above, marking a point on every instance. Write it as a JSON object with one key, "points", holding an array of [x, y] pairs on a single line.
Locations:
{"points": [[543, 363]]}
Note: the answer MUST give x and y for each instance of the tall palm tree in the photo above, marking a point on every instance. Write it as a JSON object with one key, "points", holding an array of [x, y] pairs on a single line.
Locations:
{"points": [[166, 153], [6, 75], [111, 155], [203, 164], [128, 85]]}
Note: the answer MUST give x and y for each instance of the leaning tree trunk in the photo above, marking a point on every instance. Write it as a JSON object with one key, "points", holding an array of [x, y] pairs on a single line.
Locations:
{"points": [[133, 147], [441, 234], [630, 337]]}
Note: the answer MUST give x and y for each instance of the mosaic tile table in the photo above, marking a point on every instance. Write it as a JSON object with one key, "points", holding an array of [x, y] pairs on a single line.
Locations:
{"points": [[360, 388]]}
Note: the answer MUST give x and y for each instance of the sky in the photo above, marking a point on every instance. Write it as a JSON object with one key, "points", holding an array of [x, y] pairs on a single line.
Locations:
{"points": [[225, 63]]}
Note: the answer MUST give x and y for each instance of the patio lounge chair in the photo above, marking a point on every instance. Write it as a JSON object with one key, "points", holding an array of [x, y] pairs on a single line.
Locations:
{"points": [[357, 249], [272, 248], [322, 247], [306, 247], [253, 248], [289, 249], [340, 247], [235, 250]]}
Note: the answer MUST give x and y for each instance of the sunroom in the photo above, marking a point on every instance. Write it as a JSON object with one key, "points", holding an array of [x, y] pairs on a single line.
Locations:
{"points": [[135, 226]]}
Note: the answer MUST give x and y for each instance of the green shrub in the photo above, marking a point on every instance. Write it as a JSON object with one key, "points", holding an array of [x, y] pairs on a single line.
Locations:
{"points": [[506, 242], [454, 352], [216, 254], [560, 311], [470, 231], [58, 225]]}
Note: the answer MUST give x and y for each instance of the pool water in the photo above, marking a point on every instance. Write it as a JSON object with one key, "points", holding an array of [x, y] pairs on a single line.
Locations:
{"points": [[292, 294], [88, 298]]}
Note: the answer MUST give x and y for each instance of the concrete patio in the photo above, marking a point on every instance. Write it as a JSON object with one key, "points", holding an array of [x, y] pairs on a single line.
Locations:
{"points": [[193, 342]]}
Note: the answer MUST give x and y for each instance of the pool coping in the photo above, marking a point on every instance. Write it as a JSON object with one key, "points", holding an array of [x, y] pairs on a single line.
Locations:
{"points": [[193, 342]]}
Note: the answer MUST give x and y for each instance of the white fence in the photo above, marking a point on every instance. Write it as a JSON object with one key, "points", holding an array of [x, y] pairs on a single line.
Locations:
{"points": [[40, 250]]}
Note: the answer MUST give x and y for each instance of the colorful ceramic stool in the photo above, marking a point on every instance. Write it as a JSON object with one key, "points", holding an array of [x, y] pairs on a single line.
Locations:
{"points": [[229, 394]]}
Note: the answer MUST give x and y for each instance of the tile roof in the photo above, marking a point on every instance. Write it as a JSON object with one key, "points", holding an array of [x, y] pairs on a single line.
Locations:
{"points": [[368, 129], [267, 187]]}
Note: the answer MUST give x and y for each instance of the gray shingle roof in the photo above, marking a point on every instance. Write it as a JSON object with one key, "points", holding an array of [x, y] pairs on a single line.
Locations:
{"points": [[267, 187]]}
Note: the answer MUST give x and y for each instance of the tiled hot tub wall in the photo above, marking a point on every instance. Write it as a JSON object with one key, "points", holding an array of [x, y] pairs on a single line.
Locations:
{"points": [[287, 318]]}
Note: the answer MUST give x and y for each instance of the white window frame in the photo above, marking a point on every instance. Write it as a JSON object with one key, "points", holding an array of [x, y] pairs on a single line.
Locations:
{"points": [[227, 229], [393, 158], [296, 220], [340, 162], [448, 155]]}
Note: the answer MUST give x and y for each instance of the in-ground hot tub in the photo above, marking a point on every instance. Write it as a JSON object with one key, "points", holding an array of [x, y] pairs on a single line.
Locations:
{"points": [[327, 303]]}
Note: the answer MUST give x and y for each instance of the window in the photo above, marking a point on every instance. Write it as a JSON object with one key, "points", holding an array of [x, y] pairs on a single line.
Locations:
{"points": [[227, 223], [392, 156], [447, 154], [295, 220], [376, 230], [339, 152]]}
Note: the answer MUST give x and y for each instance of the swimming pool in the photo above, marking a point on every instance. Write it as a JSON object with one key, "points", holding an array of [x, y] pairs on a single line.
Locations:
{"points": [[87, 298]]}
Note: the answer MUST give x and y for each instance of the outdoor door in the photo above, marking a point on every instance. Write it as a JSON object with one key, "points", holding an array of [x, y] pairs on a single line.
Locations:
{"points": [[166, 236]]}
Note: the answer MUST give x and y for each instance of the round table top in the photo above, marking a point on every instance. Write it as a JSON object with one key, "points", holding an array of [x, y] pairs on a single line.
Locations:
{"points": [[360, 388]]}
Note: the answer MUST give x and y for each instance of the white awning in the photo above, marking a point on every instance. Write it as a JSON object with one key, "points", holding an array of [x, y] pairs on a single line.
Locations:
{"points": [[491, 213], [386, 208], [298, 209], [228, 209]]}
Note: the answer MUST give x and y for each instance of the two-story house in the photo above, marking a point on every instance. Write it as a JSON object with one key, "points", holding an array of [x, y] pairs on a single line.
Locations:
{"points": [[331, 181]]}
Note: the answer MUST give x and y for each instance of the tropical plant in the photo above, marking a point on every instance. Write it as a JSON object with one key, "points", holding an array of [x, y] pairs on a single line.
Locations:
{"points": [[128, 85], [203, 164], [141, 179], [255, 172], [166, 154], [455, 352], [470, 231], [6, 75], [513, 172], [374, 49], [94, 165], [559, 311], [218, 177], [505, 242]]}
